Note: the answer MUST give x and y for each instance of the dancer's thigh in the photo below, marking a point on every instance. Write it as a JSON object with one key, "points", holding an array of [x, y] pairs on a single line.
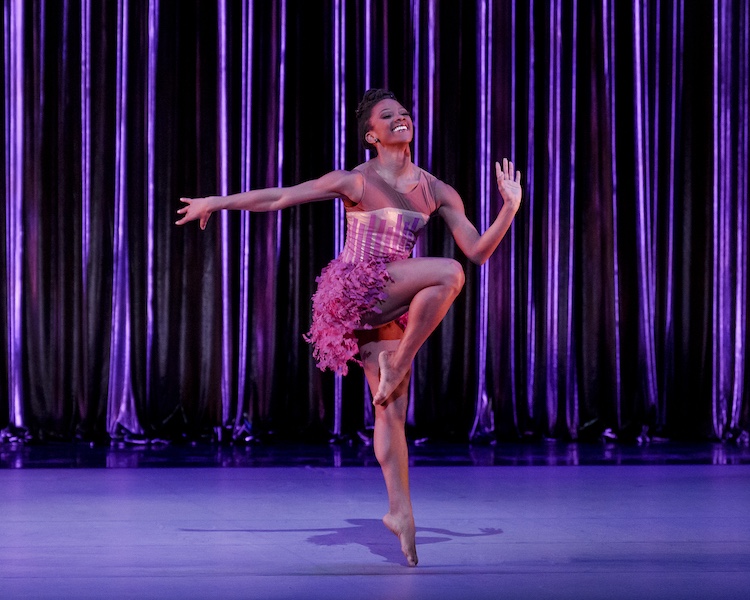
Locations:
{"points": [[409, 278]]}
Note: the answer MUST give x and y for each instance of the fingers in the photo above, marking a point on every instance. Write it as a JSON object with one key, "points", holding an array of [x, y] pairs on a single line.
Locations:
{"points": [[506, 171], [182, 211]]}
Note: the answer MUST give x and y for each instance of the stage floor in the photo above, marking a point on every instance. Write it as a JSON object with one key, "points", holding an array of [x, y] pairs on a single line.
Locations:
{"points": [[664, 528]]}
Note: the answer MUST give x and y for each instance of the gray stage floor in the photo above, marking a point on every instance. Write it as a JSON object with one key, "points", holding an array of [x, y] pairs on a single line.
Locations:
{"points": [[669, 531]]}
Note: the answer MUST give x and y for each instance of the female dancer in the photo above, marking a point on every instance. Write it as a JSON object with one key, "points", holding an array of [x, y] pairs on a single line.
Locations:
{"points": [[364, 294]]}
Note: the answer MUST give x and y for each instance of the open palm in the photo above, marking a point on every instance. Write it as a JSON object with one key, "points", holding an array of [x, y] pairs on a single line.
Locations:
{"points": [[509, 183]]}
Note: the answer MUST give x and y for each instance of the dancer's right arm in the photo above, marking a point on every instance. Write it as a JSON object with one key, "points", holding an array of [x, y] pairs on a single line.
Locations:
{"points": [[344, 184]]}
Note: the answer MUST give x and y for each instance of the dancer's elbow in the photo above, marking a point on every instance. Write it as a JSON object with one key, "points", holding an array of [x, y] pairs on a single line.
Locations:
{"points": [[478, 258]]}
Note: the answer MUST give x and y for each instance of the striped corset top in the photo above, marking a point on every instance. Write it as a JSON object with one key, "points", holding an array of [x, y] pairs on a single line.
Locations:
{"points": [[387, 233]]}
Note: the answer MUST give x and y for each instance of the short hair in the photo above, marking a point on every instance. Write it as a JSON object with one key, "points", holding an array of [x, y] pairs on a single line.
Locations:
{"points": [[364, 110]]}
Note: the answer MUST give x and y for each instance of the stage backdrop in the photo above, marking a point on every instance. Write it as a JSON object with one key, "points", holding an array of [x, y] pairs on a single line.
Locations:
{"points": [[616, 305]]}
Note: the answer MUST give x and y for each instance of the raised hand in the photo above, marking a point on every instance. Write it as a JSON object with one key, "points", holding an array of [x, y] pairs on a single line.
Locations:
{"points": [[509, 185], [197, 208]]}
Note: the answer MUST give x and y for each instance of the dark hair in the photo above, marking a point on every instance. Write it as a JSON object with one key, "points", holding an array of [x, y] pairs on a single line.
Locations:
{"points": [[370, 99]]}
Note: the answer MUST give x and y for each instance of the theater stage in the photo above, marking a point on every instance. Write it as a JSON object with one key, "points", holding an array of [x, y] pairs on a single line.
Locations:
{"points": [[527, 521]]}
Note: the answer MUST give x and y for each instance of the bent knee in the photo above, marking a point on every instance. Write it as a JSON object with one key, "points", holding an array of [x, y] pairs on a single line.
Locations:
{"points": [[454, 275]]}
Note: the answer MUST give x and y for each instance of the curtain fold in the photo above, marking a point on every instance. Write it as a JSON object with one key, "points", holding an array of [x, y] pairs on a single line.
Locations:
{"points": [[729, 256], [12, 190], [615, 307]]}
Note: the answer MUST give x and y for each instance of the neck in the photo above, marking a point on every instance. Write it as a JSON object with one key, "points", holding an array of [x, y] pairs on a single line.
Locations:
{"points": [[394, 160]]}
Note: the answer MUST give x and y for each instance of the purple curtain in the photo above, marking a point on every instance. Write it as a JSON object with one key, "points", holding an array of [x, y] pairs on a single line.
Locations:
{"points": [[615, 307]]}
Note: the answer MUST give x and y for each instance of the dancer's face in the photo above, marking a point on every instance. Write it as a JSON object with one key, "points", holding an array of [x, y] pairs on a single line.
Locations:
{"points": [[390, 123]]}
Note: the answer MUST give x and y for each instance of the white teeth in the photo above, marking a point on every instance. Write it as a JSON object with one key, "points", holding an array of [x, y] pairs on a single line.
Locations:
{"points": [[400, 128]]}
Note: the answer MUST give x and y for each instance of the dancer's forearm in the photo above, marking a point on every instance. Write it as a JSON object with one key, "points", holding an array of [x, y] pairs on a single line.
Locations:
{"points": [[201, 209], [486, 244]]}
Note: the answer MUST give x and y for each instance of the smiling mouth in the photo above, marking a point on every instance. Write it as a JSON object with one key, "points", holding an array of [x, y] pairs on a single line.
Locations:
{"points": [[399, 128]]}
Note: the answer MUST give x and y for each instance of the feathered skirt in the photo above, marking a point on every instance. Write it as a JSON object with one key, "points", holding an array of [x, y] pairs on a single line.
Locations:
{"points": [[347, 291]]}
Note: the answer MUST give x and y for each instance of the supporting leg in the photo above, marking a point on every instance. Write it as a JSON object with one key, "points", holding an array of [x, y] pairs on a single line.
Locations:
{"points": [[391, 449]]}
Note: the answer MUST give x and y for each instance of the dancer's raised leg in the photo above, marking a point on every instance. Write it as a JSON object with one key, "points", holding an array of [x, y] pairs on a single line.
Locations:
{"points": [[391, 449], [426, 287]]}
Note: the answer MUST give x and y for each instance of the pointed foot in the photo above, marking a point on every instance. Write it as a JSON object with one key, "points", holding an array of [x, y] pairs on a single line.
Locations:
{"points": [[404, 529], [390, 377]]}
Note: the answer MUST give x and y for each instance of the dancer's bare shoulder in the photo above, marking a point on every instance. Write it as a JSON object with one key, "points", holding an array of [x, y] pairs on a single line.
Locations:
{"points": [[348, 185]]}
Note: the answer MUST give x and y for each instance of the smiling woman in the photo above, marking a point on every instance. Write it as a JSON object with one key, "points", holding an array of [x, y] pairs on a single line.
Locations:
{"points": [[365, 293]]}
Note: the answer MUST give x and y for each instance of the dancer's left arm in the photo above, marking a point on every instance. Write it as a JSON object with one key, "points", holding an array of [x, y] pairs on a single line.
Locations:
{"points": [[478, 248]]}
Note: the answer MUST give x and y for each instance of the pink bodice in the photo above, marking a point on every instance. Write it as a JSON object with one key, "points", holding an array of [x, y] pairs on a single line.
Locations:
{"points": [[387, 233]]}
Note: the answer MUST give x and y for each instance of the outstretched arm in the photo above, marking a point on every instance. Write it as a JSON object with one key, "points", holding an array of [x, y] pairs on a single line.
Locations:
{"points": [[335, 184], [478, 248]]}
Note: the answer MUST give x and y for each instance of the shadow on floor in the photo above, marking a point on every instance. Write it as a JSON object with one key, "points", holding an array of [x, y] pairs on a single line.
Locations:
{"points": [[368, 533]]}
